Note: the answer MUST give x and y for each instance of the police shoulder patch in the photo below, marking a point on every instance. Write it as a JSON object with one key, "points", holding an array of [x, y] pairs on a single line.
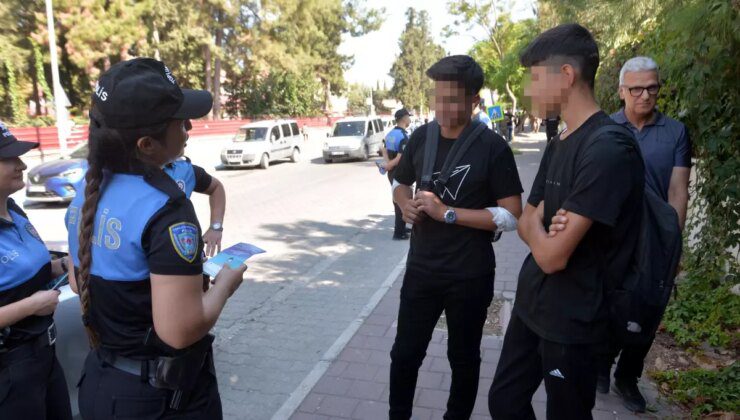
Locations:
{"points": [[184, 238]]}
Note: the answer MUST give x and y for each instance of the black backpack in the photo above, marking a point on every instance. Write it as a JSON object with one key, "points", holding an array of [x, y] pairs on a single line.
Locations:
{"points": [[637, 301]]}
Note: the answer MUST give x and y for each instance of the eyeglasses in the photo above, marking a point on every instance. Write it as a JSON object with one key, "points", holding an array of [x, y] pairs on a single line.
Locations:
{"points": [[636, 91]]}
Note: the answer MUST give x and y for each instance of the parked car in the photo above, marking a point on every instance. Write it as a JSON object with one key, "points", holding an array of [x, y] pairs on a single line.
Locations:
{"points": [[55, 181], [259, 143], [72, 344], [388, 124], [356, 137]]}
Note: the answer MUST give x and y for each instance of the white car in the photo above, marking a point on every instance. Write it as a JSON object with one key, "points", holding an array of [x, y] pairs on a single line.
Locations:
{"points": [[262, 142], [354, 138]]}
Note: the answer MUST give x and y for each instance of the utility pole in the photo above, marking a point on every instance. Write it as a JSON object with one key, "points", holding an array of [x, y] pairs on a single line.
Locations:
{"points": [[60, 109]]}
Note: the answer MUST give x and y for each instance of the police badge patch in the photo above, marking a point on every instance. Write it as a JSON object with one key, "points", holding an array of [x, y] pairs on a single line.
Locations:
{"points": [[184, 238], [32, 231], [181, 184]]}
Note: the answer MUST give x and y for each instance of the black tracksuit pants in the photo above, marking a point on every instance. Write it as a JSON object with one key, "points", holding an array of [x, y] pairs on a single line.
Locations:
{"points": [[423, 298], [569, 372]]}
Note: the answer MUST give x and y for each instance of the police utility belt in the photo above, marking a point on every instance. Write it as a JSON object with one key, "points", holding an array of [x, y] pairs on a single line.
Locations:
{"points": [[178, 374], [21, 351]]}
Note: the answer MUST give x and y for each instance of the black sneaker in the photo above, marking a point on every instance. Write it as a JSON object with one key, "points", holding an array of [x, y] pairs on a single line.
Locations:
{"points": [[631, 397], [401, 237], [602, 384]]}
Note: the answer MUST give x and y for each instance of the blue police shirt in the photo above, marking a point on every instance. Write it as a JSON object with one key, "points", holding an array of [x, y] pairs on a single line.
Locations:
{"points": [[188, 177], [665, 144], [395, 141], [144, 224], [25, 268]]}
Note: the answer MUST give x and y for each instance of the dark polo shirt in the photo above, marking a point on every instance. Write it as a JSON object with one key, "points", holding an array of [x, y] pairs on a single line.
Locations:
{"points": [[665, 144]]}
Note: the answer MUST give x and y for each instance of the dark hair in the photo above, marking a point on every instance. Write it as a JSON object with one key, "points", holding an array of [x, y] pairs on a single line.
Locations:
{"points": [[458, 68], [111, 150], [569, 43]]}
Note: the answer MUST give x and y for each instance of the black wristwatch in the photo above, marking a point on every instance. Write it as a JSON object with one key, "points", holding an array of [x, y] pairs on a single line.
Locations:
{"points": [[217, 226], [63, 263]]}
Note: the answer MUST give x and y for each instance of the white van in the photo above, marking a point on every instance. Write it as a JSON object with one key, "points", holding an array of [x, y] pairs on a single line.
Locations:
{"points": [[262, 142], [355, 137]]}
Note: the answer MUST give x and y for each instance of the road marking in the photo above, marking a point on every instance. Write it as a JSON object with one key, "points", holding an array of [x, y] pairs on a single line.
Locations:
{"points": [[304, 388]]}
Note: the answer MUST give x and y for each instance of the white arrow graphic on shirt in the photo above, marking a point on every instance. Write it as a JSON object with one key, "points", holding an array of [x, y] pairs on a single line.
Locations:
{"points": [[455, 182]]}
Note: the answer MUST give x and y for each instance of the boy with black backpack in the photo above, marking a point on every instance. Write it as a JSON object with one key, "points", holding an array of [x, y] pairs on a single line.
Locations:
{"points": [[592, 175], [467, 188]]}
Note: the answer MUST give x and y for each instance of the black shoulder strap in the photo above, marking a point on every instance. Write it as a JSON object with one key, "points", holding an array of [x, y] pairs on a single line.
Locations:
{"points": [[462, 144], [430, 155], [609, 128], [161, 181]]}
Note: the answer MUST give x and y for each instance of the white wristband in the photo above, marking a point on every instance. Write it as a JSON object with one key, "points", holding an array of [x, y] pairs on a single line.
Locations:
{"points": [[504, 220]]}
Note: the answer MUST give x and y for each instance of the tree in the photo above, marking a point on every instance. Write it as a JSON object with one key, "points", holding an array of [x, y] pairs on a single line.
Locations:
{"points": [[418, 52], [498, 53]]}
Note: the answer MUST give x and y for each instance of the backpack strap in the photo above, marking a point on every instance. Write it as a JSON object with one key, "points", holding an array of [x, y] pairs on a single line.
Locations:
{"points": [[461, 146], [430, 155], [466, 139]]}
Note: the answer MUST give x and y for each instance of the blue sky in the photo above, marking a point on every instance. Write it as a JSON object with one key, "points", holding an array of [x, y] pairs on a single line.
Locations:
{"points": [[375, 52]]}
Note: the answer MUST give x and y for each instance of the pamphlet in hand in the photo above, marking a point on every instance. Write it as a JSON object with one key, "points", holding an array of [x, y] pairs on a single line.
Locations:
{"points": [[234, 256]]}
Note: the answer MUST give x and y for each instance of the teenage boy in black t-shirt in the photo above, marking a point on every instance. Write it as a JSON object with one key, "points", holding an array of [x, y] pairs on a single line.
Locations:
{"points": [[451, 262], [595, 185]]}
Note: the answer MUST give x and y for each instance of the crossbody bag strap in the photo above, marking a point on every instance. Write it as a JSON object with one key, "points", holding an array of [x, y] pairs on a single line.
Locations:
{"points": [[462, 145], [430, 155]]}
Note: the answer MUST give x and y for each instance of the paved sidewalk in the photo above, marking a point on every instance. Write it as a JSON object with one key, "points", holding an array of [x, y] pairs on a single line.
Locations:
{"points": [[355, 385]]}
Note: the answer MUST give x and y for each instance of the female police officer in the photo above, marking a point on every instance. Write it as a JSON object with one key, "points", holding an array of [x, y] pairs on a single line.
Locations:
{"points": [[136, 246], [32, 383]]}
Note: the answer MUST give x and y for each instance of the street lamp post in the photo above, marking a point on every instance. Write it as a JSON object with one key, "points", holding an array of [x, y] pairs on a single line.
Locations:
{"points": [[60, 109]]}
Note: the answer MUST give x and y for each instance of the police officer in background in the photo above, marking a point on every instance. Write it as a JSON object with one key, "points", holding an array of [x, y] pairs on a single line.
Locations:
{"points": [[394, 145], [136, 246], [32, 384]]}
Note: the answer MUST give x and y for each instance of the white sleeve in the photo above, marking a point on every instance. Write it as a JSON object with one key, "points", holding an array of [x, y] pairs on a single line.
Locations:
{"points": [[504, 220]]}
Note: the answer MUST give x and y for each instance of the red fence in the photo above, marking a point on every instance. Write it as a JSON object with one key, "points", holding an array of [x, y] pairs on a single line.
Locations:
{"points": [[47, 136]]}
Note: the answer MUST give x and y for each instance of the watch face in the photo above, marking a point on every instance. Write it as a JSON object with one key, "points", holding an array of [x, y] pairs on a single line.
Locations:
{"points": [[450, 216]]}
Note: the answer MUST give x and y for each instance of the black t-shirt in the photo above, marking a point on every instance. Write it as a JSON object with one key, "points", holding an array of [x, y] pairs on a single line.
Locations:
{"points": [[486, 173], [603, 180]]}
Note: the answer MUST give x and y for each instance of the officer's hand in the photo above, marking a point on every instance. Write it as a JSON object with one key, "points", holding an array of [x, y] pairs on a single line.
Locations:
{"points": [[431, 205], [45, 302], [212, 239], [411, 212], [230, 279], [558, 224]]}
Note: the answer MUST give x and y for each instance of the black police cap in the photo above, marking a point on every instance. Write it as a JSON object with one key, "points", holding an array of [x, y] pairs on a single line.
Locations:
{"points": [[10, 146], [401, 113], [458, 68], [143, 92]]}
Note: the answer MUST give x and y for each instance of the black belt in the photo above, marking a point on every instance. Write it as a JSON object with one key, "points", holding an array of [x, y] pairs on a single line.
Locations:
{"points": [[145, 369], [22, 351]]}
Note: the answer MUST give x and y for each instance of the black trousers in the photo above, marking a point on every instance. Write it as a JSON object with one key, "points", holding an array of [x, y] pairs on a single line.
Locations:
{"points": [[631, 359], [423, 298], [569, 371], [34, 388], [106, 393], [399, 227]]}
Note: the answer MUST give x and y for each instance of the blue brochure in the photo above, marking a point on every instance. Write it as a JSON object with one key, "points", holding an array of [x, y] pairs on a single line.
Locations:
{"points": [[234, 256]]}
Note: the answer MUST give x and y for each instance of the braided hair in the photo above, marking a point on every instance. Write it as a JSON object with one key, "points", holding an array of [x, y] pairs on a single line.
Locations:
{"points": [[110, 150]]}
